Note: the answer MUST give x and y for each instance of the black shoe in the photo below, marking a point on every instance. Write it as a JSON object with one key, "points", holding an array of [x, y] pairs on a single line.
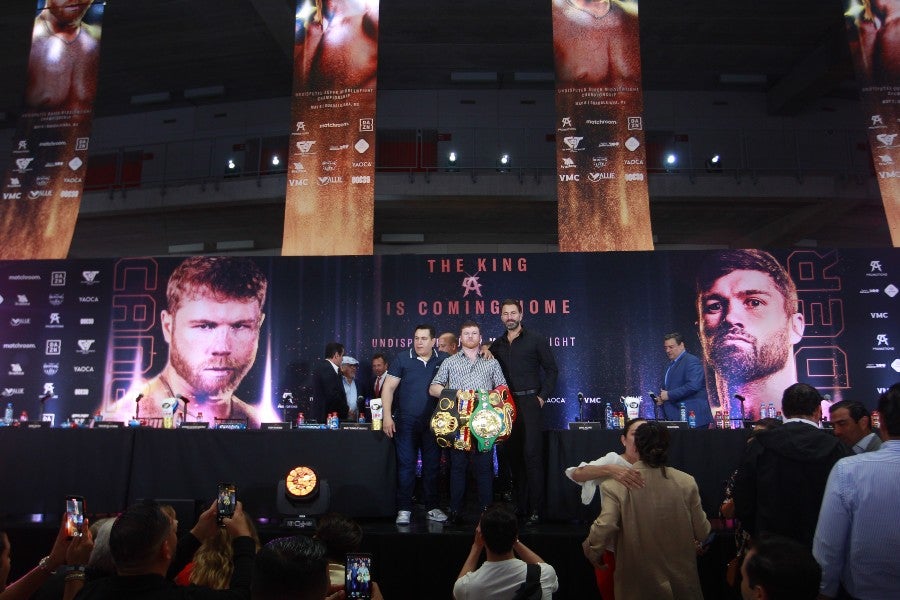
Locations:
{"points": [[454, 518], [533, 519]]}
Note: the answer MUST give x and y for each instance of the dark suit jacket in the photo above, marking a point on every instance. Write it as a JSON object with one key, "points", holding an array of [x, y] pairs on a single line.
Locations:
{"points": [[687, 383], [328, 392]]}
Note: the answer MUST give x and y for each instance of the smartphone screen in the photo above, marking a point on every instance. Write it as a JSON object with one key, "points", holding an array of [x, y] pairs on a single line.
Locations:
{"points": [[358, 577], [74, 516], [226, 501]]}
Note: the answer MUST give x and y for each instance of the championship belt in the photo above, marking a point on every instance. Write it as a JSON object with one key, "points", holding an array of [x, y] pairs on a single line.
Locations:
{"points": [[461, 415]]}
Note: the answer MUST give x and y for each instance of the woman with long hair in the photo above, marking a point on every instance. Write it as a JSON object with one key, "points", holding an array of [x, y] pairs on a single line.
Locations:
{"points": [[656, 529]]}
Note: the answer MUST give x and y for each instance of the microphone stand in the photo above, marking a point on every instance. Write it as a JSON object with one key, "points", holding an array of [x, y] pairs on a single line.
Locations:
{"points": [[580, 407], [185, 414], [43, 399], [741, 400], [137, 408], [655, 406]]}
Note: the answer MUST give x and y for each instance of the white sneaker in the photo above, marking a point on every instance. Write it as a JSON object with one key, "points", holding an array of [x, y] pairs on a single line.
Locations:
{"points": [[436, 514], [403, 517]]}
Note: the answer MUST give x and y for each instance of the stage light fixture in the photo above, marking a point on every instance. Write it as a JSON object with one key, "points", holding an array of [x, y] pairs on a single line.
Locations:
{"points": [[671, 160], [302, 495], [452, 162], [504, 163], [275, 160], [714, 164], [231, 165]]}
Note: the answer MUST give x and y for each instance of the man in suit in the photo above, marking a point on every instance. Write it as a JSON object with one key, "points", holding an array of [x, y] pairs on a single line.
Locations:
{"points": [[379, 374], [328, 389], [853, 426], [684, 381]]}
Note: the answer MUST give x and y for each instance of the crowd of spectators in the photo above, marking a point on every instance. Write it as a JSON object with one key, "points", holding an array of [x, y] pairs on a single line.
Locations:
{"points": [[815, 509]]}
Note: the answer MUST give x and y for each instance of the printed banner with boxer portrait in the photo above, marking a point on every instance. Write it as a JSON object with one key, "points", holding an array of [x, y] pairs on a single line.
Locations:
{"points": [[42, 189], [873, 30], [602, 188], [330, 200], [241, 336]]}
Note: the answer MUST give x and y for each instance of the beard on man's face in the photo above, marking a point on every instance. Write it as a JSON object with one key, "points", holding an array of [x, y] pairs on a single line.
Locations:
{"points": [[201, 376], [747, 361]]}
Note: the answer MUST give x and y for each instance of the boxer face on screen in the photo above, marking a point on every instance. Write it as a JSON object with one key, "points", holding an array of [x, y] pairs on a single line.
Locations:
{"points": [[213, 342], [746, 325], [66, 12]]}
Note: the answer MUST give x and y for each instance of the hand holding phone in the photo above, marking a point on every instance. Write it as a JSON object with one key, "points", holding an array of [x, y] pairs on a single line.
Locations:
{"points": [[358, 576], [226, 502], [74, 516]]}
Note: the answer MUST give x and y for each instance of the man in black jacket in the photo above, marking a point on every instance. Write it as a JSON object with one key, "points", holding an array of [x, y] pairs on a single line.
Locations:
{"points": [[530, 369], [780, 483]]}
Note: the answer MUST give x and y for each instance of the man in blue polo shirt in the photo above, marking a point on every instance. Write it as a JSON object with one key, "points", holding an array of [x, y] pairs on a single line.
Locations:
{"points": [[408, 379]]}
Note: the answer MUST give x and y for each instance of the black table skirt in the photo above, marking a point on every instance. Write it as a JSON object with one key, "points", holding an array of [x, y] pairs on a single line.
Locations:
{"points": [[114, 467]]}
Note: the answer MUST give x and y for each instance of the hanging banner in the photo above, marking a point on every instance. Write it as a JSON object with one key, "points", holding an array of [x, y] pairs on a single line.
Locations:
{"points": [[330, 200], [874, 36], [42, 189], [602, 185]]}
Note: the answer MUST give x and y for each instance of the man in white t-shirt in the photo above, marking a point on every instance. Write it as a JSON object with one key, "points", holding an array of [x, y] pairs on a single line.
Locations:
{"points": [[503, 576]]}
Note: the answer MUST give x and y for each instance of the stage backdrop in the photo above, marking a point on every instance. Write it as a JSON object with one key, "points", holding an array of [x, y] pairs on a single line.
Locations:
{"points": [[42, 189], [602, 177], [87, 331], [330, 200]]}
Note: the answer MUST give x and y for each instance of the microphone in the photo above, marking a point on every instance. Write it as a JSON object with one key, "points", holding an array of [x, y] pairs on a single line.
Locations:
{"points": [[44, 397], [827, 397], [186, 401], [743, 414], [655, 405], [580, 397], [138, 399]]}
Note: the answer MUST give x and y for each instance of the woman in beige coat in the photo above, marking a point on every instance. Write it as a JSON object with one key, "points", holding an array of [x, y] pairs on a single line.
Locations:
{"points": [[656, 529]]}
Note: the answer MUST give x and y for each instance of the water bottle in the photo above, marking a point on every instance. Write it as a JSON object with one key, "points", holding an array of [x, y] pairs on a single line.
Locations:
{"points": [[682, 411], [771, 414], [8, 414], [609, 416], [720, 422], [692, 420], [726, 420]]}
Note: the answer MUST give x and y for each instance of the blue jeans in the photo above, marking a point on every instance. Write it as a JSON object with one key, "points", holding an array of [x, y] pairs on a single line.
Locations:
{"points": [[412, 434], [483, 470]]}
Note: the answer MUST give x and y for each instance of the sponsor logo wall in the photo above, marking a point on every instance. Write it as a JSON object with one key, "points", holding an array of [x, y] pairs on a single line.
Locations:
{"points": [[604, 315]]}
